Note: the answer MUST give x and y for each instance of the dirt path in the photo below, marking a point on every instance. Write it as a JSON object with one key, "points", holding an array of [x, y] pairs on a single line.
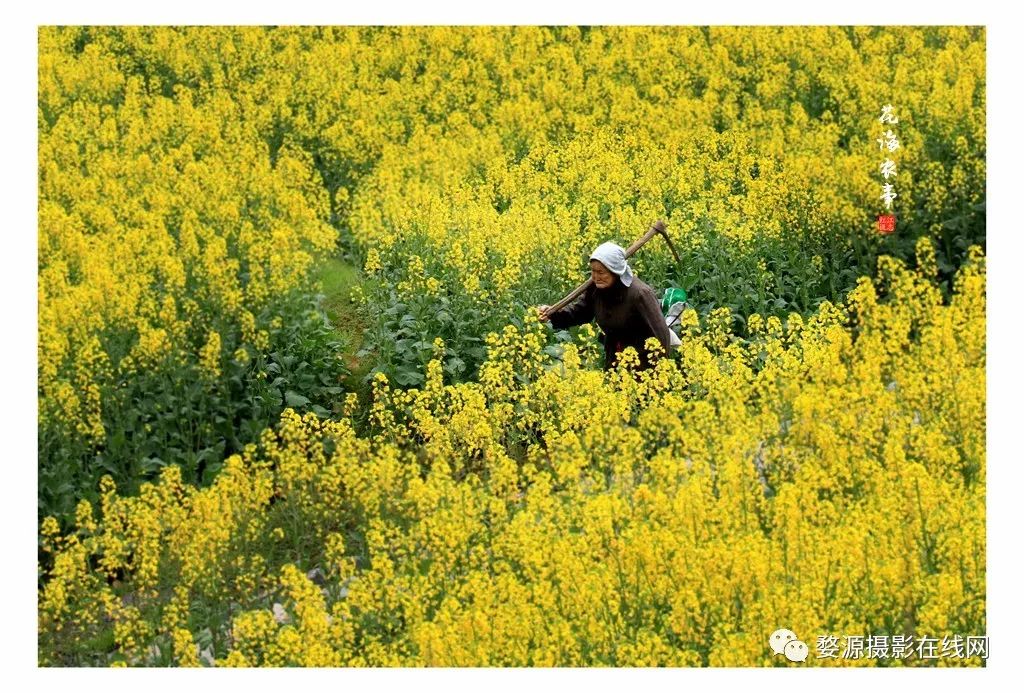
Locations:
{"points": [[338, 277]]}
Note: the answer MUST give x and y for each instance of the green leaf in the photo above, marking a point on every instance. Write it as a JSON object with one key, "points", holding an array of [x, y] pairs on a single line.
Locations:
{"points": [[294, 399], [408, 377]]}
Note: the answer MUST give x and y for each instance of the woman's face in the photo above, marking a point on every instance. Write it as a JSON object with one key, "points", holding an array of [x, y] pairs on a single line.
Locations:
{"points": [[602, 277]]}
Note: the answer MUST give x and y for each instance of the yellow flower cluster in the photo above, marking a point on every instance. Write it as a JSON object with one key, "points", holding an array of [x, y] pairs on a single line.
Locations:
{"points": [[161, 215], [827, 473], [522, 148]]}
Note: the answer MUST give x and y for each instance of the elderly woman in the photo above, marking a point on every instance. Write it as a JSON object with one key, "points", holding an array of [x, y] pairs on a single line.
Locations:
{"points": [[626, 308]]}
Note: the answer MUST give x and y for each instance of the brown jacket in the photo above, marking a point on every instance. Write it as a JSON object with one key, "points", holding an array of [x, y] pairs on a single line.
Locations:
{"points": [[627, 315]]}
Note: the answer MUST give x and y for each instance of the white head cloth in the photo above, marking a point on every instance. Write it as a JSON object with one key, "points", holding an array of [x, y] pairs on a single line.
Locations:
{"points": [[612, 256]]}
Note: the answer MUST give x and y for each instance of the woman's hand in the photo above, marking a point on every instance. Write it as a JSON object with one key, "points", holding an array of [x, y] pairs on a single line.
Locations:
{"points": [[543, 313]]}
